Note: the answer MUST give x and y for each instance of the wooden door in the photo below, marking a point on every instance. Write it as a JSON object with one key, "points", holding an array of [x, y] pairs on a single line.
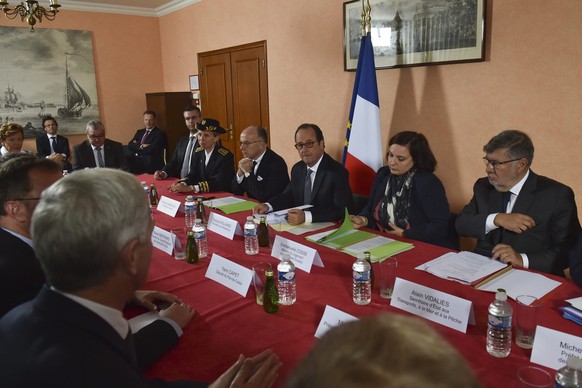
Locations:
{"points": [[233, 88]]}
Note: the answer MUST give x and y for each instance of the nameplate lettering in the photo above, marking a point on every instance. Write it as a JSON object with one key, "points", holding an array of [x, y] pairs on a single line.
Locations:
{"points": [[162, 240], [551, 348], [332, 317], [223, 226], [302, 256], [439, 307], [168, 206], [229, 274]]}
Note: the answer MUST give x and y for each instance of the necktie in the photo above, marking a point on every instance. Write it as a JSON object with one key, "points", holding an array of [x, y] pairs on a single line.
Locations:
{"points": [[307, 188], [143, 138], [187, 158], [254, 166], [505, 197], [99, 157], [54, 144]]}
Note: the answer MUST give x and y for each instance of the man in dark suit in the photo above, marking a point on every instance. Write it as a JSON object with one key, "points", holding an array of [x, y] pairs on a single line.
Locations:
{"points": [[261, 174], [52, 145], [22, 180], [73, 333], [517, 216], [147, 146], [317, 180], [213, 166], [97, 151], [180, 164]]}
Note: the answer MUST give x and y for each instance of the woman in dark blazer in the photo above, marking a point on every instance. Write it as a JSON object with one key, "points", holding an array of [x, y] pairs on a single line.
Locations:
{"points": [[407, 199]]}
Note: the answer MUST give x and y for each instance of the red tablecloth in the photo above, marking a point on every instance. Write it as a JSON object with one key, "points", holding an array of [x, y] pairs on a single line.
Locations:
{"points": [[226, 324]]}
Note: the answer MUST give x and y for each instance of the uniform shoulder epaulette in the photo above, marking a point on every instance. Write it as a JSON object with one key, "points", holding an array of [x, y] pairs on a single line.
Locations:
{"points": [[198, 149], [204, 187], [223, 151]]}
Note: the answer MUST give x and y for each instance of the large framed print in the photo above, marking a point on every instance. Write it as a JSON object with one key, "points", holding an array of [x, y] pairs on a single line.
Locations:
{"points": [[417, 32]]}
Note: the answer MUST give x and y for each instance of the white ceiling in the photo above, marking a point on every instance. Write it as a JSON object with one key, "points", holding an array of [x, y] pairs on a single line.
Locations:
{"points": [[127, 7]]}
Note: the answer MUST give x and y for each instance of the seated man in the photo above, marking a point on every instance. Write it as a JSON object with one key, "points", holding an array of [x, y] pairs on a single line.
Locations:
{"points": [[97, 151], [316, 180], [147, 146], [73, 333], [182, 159], [213, 166], [517, 216], [52, 145], [22, 180], [262, 174], [383, 351]]}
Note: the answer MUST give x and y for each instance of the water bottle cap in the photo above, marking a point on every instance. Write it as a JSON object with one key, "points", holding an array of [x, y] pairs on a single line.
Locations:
{"points": [[501, 295], [197, 220], [574, 362], [189, 198], [285, 256], [250, 218]]}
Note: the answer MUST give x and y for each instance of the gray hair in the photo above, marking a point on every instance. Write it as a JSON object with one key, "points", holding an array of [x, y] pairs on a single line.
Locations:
{"points": [[518, 145], [100, 211], [94, 124]]}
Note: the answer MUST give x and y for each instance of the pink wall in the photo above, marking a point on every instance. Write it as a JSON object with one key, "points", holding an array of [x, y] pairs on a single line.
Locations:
{"points": [[128, 64], [530, 80]]}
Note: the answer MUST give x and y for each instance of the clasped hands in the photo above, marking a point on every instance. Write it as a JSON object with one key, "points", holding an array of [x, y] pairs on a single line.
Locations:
{"points": [[179, 312], [294, 216]]}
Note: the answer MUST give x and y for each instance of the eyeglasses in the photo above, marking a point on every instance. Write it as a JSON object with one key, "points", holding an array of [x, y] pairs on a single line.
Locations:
{"points": [[96, 137], [495, 164], [307, 144], [245, 144]]}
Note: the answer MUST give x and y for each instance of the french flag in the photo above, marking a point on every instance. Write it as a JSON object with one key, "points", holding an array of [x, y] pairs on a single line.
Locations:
{"points": [[363, 146]]}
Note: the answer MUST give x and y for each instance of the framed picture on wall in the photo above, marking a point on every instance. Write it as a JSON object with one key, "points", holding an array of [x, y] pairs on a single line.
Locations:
{"points": [[194, 84], [417, 32]]}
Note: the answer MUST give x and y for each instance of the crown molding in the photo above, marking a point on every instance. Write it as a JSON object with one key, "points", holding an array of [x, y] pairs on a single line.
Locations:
{"points": [[172, 6]]}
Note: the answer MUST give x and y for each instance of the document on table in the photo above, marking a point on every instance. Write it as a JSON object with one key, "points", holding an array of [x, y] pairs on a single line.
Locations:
{"points": [[575, 302], [463, 267], [231, 205], [519, 282]]}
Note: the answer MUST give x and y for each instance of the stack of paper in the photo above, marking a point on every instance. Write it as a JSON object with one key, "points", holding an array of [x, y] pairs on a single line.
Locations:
{"points": [[231, 205], [519, 282], [463, 267], [574, 311]]}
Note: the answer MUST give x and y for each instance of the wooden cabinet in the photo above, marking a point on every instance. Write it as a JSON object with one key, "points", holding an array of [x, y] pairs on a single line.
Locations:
{"points": [[169, 108]]}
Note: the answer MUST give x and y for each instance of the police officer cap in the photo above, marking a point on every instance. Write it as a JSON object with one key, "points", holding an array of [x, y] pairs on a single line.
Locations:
{"points": [[210, 125]]}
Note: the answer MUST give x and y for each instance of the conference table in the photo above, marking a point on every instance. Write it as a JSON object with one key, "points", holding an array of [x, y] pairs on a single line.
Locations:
{"points": [[227, 324]]}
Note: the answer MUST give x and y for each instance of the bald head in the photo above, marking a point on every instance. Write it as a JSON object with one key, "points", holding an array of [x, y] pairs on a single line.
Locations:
{"points": [[253, 141]]}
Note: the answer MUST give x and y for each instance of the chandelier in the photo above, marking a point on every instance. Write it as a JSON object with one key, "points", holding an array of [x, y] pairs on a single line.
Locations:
{"points": [[30, 11]]}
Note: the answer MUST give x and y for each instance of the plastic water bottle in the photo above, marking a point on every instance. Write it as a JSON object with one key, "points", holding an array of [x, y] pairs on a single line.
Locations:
{"points": [[146, 190], [571, 374], [200, 236], [251, 238], [362, 287], [190, 209], [286, 280], [499, 326]]}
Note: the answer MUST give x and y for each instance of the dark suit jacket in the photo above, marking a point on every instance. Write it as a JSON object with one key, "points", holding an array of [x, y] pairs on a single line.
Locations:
{"points": [[174, 166], [20, 273], [217, 175], [83, 156], [151, 158], [552, 206], [21, 278], [53, 341], [429, 216], [330, 194], [270, 180], [43, 148]]}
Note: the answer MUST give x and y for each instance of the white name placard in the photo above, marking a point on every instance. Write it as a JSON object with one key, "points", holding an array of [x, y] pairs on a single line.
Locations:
{"points": [[168, 206], [224, 226], [229, 274], [440, 307], [332, 317], [302, 256], [551, 348], [162, 240]]}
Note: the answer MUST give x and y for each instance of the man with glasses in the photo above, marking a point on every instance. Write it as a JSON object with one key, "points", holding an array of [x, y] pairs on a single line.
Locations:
{"points": [[316, 180], [97, 151], [517, 216], [180, 164], [52, 145], [262, 174]]}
